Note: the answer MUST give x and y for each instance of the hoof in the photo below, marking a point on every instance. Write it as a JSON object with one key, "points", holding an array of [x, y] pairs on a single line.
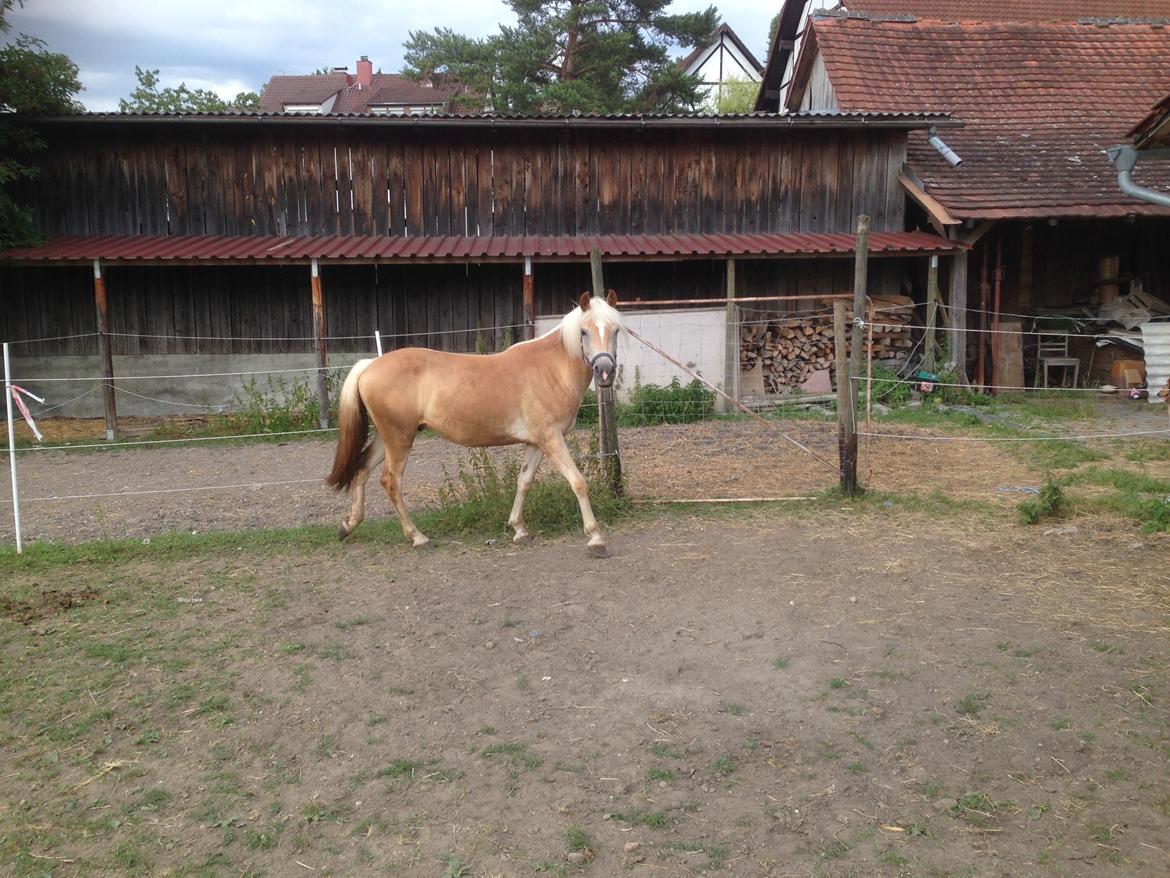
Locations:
{"points": [[598, 551], [522, 539], [424, 545], [343, 532]]}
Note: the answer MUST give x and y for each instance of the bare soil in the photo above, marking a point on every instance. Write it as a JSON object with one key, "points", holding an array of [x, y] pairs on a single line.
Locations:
{"points": [[876, 692]]}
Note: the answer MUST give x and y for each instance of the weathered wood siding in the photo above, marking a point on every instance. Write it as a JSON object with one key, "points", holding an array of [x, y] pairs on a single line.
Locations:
{"points": [[265, 309], [404, 180]]}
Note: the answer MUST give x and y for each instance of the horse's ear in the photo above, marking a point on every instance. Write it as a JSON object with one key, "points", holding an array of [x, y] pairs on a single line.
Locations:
{"points": [[611, 299], [584, 303]]}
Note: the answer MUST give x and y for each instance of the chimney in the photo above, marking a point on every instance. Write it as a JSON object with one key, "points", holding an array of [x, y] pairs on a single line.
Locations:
{"points": [[365, 72]]}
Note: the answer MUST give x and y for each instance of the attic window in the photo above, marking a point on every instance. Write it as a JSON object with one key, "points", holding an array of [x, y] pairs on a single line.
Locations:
{"points": [[303, 108]]}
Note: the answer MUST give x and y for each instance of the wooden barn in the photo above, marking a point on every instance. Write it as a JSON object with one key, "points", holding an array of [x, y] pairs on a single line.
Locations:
{"points": [[449, 231]]}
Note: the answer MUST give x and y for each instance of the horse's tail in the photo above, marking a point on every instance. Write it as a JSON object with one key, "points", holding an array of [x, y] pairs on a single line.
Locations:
{"points": [[353, 422]]}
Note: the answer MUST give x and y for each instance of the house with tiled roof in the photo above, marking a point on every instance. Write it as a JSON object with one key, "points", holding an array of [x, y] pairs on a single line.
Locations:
{"points": [[340, 92], [721, 62], [794, 14], [1025, 180]]}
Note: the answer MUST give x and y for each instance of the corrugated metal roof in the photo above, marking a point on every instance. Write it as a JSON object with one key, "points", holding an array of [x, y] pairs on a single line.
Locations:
{"points": [[813, 119], [1156, 342], [501, 248]]}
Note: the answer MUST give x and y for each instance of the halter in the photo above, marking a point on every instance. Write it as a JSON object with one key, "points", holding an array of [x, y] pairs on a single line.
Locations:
{"points": [[596, 357]]}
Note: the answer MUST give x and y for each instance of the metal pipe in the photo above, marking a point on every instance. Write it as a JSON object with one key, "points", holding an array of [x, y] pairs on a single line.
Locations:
{"points": [[952, 157], [1124, 159]]}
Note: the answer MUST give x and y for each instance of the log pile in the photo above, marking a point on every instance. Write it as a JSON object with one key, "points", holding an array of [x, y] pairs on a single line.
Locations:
{"points": [[790, 350]]}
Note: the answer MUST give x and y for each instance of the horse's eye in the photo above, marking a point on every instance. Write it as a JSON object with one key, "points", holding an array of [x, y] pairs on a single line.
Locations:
{"points": [[584, 333]]}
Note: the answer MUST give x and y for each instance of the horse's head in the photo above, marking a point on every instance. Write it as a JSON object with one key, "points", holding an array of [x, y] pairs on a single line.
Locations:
{"points": [[600, 324]]}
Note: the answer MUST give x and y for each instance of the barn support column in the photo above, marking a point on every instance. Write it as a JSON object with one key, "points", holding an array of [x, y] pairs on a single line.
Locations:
{"points": [[105, 351], [322, 355], [958, 315], [731, 352], [529, 300]]}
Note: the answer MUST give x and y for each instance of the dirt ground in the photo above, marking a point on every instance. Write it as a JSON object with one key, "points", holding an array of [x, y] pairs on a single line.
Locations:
{"points": [[74, 496], [846, 692]]}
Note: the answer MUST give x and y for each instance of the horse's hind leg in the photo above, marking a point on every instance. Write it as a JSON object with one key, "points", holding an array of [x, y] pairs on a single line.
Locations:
{"points": [[397, 450], [357, 490], [532, 457]]}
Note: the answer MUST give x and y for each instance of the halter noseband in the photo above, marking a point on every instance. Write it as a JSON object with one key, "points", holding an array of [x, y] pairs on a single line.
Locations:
{"points": [[596, 357]]}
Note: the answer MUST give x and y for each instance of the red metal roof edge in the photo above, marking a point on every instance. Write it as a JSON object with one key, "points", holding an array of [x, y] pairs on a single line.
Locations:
{"points": [[271, 248]]}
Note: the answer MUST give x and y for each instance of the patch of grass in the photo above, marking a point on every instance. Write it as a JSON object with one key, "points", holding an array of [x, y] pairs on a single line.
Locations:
{"points": [[973, 704], [334, 651], [655, 774], [732, 707], [838, 683], [514, 753], [834, 850], [1144, 452], [400, 768], [1062, 454], [665, 751], [637, 817], [1060, 724], [478, 498], [725, 764], [856, 767], [977, 807], [576, 839], [455, 867], [893, 858], [780, 663]]}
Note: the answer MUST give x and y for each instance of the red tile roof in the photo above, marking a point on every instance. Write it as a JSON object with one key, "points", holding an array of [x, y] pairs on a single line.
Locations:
{"points": [[193, 248], [1014, 10], [1040, 103], [384, 88]]}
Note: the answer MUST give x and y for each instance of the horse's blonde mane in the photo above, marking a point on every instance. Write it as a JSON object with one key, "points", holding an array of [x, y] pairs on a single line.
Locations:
{"points": [[602, 313]]}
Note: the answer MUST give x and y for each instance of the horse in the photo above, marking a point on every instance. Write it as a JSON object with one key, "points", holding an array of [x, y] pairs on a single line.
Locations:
{"points": [[527, 395]]}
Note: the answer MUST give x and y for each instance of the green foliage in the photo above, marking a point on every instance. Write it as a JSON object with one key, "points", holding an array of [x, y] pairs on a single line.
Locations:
{"points": [[607, 56], [276, 406], [33, 81], [148, 97], [674, 404], [1051, 503], [736, 95], [478, 499], [588, 413], [888, 387]]}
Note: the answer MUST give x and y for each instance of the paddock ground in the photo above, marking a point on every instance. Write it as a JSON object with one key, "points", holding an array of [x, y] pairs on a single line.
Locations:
{"points": [[880, 689]]}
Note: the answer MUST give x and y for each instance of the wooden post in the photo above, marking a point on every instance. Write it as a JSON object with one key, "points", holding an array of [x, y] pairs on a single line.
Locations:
{"points": [[606, 417], [731, 356], [322, 356], [958, 321], [529, 300], [105, 351], [931, 313], [860, 290], [846, 413]]}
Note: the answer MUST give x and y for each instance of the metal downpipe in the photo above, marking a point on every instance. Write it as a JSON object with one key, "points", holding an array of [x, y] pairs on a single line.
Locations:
{"points": [[1124, 159]]}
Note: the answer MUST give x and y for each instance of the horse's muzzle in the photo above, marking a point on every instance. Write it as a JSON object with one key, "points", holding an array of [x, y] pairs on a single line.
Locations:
{"points": [[604, 369]]}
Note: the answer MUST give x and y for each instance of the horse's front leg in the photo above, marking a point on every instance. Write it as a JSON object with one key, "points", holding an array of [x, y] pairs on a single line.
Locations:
{"points": [[558, 454], [532, 458], [357, 506]]}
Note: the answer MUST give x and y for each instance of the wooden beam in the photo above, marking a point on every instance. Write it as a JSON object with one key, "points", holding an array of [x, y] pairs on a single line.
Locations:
{"points": [[933, 207], [322, 355], [529, 300], [101, 304], [846, 414]]}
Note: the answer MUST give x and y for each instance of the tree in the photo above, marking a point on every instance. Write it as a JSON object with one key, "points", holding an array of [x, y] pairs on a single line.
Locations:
{"points": [[736, 95], [588, 56], [149, 98], [33, 81]]}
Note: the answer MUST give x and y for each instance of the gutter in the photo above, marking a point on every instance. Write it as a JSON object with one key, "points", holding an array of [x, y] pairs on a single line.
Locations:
{"points": [[1124, 158]]}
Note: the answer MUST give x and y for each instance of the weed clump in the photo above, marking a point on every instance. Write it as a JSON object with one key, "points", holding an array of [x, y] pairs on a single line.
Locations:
{"points": [[1050, 503]]}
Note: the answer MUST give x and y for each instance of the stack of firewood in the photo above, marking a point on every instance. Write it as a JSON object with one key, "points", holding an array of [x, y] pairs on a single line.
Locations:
{"points": [[789, 350]]}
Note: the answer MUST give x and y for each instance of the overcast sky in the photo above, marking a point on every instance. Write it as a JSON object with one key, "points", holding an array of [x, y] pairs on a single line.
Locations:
{"points": [[230, 46]]}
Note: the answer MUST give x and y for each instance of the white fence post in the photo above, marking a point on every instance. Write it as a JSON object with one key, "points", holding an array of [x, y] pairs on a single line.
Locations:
{"points": [[12, 450]]}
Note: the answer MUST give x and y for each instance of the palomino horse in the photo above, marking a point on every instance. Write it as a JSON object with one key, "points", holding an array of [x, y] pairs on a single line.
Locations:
{"points": [[529, 395]]}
